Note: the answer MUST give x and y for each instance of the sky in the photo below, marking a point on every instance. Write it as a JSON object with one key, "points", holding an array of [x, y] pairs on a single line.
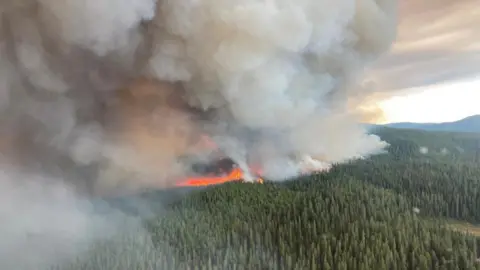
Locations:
{"points": [[444, 102], [435, 63]]}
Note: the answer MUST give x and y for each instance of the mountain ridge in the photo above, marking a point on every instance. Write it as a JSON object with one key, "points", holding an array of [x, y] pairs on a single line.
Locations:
{"points": [[467, 124]]}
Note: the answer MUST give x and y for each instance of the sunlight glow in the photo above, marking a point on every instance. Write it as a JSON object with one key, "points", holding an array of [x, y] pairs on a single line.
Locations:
{"points": [[438, 103]]}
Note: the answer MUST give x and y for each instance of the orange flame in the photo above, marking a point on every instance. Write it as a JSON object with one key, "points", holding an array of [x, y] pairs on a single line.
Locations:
{"points": [[235, 175]]}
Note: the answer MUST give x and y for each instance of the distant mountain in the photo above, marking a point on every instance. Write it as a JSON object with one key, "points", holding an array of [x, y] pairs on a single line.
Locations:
{"points": [[469, 124]]}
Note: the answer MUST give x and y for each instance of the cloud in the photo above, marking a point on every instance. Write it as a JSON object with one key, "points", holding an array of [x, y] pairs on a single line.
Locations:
{"points": [[437, 42]]}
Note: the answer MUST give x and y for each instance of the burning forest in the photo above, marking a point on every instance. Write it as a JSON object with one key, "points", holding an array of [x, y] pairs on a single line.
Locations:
{"points": [[106, 93]]}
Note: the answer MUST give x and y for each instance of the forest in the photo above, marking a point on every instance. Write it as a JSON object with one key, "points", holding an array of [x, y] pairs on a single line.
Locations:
{"points": [[398, 210]]}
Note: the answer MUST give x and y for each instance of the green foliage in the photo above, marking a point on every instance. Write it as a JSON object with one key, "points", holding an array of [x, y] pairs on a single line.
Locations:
{"points": [[439, 189], [442, 146], [358, 216]]}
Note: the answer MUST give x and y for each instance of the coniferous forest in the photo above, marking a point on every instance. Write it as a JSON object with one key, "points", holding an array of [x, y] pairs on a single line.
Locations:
{"points": [[405, 209]]}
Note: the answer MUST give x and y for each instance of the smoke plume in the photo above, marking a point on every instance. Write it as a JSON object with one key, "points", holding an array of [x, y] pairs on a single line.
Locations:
{"points": [[113, 91], [282, 70]]}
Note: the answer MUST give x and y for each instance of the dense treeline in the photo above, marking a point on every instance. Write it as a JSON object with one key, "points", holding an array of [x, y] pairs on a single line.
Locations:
{"points": [[385, 212], [308, 224], [442, 184], [440, 189], [440, 146]]}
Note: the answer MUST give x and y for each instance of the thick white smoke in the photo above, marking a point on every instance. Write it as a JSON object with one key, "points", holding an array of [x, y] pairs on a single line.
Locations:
{"points": [[278, 65], [273, 63]]}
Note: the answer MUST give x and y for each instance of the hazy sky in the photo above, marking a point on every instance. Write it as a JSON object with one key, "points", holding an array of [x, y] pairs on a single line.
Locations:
{"points": [[436, 103], [436, 60]]}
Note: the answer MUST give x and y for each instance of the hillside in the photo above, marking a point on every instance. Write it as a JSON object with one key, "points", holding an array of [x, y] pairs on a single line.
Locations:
{"points": [[428, 145], [399, 210], [469, 124]]}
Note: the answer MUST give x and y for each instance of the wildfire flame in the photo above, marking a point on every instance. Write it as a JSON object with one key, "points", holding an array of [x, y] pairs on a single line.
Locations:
{"points": [[308, 165], [236, 174]]}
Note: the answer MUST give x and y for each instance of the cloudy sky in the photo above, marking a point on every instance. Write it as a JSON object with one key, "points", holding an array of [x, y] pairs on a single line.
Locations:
{"points": [[434, 66]]}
